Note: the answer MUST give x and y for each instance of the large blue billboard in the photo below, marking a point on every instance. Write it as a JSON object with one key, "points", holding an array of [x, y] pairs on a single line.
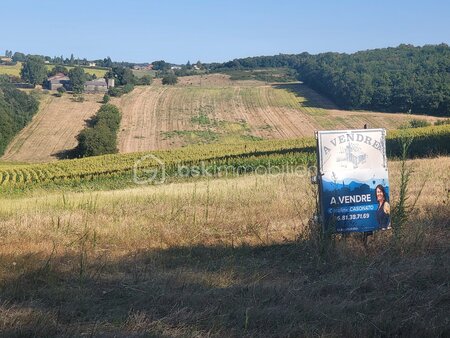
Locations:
{"points": [[354, 186]]}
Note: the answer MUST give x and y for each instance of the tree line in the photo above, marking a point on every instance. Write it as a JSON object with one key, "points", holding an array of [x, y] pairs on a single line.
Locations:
{"points": [[401, 79], [16, 110], [100, 137]]}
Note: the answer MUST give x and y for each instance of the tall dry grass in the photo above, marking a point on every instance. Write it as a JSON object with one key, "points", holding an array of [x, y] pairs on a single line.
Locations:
{"points": [[225, 257]]}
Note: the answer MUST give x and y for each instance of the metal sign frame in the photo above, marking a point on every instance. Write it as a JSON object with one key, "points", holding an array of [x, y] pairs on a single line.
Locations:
{"points": [[352, 159]]}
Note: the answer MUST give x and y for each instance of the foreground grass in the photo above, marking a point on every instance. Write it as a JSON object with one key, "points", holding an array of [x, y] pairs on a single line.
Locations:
{"points": [[228, 257]]}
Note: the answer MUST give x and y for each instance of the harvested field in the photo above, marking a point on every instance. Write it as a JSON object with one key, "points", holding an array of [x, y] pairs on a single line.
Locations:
{"points": [[221, 258], [213, 108], [200, 109], [52, 130]]}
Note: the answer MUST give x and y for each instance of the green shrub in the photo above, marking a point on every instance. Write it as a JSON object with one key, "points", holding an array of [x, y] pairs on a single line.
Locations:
{"points": [[106, 98], [127, 88], [146, 80], [109, 115], [415, 123], [78, 98], [114, 92], [101, 137], [169, 79], [442, 122], [96, 141]]}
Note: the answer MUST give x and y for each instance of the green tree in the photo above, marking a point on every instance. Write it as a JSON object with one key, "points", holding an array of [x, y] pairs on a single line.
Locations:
{"points": [[61, 91], [19, 57], [16, 110], [101, 137], [170, 79], [122, 75], [160, 65], [146, 80], [77, 78], [58, 69], [33, 70]]}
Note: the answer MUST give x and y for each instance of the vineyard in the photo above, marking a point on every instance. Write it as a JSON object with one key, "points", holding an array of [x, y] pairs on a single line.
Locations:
{"points": [[244, 156]]}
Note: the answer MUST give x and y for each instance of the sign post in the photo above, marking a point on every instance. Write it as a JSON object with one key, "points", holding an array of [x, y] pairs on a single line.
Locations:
{"points": [[353, 180]]}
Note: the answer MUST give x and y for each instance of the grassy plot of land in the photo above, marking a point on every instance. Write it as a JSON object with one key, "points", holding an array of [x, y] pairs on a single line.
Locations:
{"points": [[15, 70], [266, 75], [142, 72], [227, 257]]}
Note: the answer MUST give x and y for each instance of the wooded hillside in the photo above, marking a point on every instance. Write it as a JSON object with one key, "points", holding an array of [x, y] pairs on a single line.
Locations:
{"points": [[16, 110], [402, 79]]}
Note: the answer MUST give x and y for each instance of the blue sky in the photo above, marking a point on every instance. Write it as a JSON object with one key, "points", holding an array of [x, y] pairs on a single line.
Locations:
{"points": [[216, 31]]}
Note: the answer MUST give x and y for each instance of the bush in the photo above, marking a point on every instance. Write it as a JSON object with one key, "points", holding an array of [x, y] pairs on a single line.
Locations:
{"points": [[170, 79], [101, 137], [442, 122], [106, 98], [114, 92], [119, 91], [415, 123], [95, 141], [127, 88], [146, 80], [109, 115], [61, 90], [78, 98]]}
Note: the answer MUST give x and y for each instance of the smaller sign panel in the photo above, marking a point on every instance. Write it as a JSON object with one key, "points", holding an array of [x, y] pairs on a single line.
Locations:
{"points": [[354, 180]]}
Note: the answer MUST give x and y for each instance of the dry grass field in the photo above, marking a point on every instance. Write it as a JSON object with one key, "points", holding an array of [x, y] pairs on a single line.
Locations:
{"points": [[53, 129], [212, 108], [200, 109], [220, 258]]}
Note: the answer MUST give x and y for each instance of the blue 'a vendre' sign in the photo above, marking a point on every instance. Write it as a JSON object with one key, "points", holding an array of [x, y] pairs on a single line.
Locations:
{"points": [[354, 187]]}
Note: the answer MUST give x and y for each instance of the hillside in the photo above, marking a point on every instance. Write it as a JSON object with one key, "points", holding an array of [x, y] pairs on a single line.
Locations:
{"points": [[14, 70], [16, 110], [211, 108], [200, 109], [225, 257], [52, 130]]}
